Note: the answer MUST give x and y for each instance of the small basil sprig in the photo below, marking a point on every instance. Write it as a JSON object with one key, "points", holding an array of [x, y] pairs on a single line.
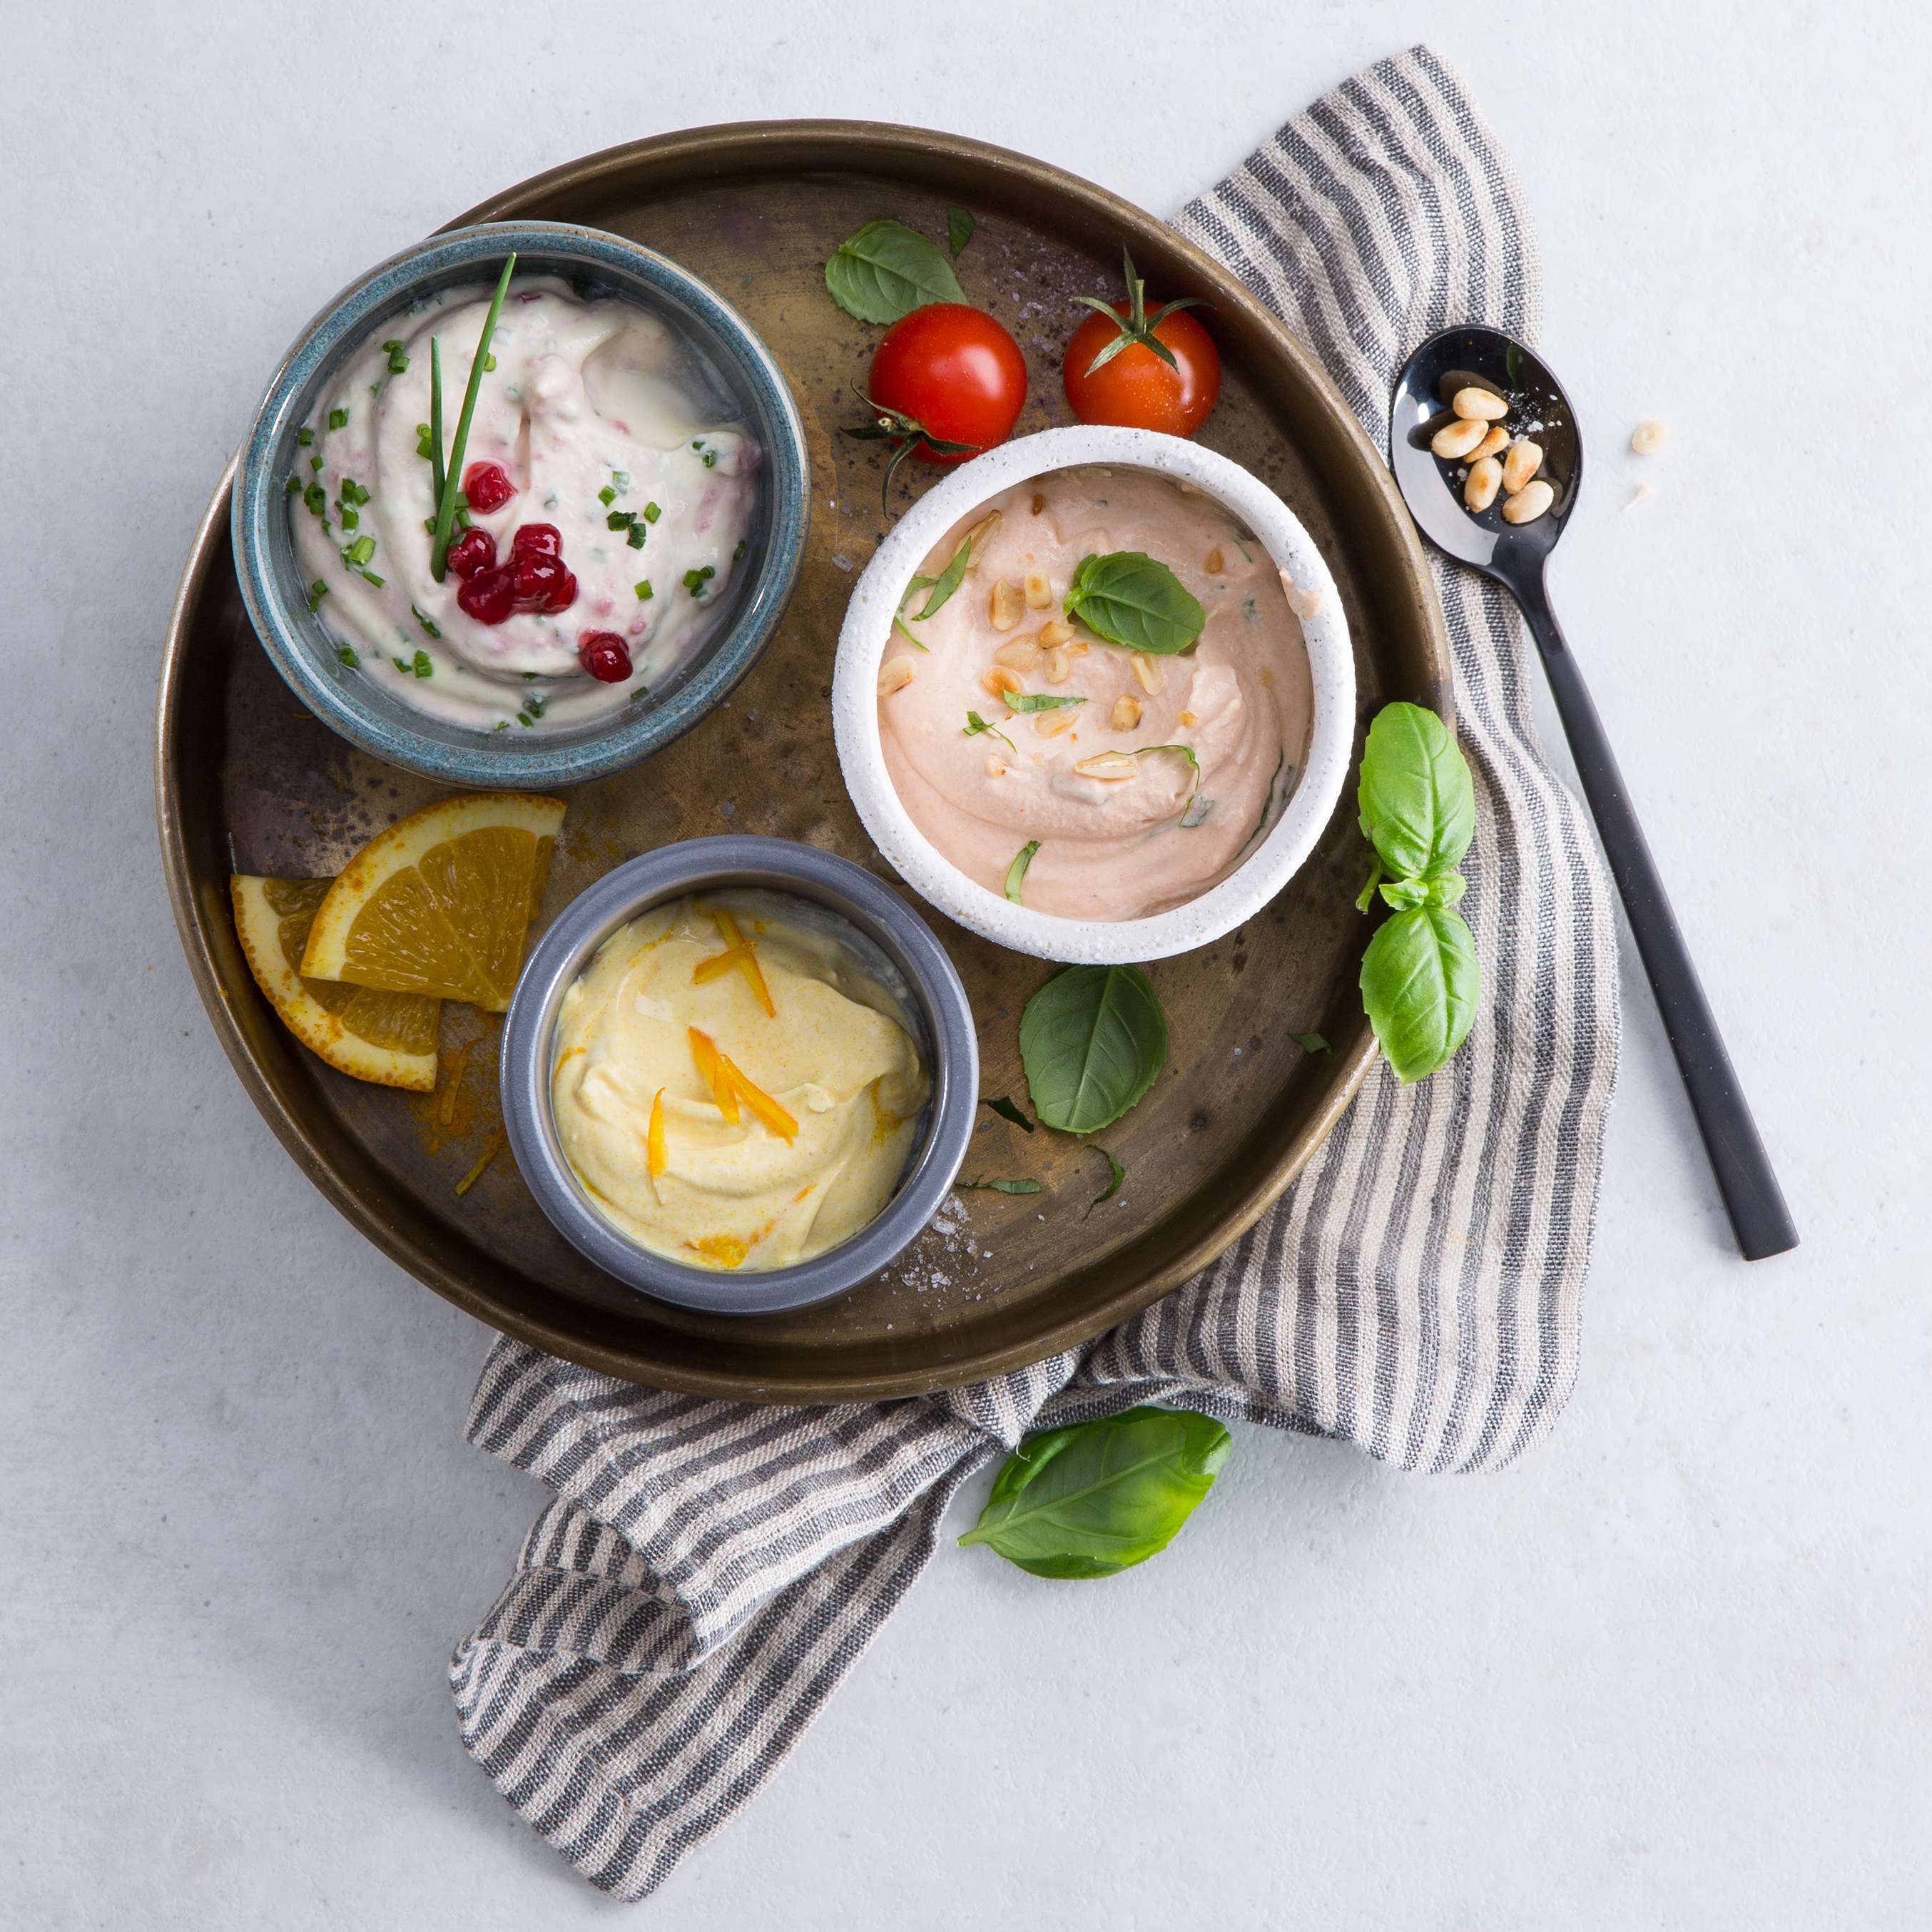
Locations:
{"points": [[1093, 1040], [1135, 601], [1097, 1497], [887, 270], [1420, 978]]}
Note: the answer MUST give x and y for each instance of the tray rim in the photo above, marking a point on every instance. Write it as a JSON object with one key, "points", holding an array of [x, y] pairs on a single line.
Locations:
{"points": [[749, 144]]}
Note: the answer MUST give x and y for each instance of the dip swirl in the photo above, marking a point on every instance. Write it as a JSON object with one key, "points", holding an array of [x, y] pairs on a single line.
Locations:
{"points": [[606, 430], [831, 1062], [1145, 830]]}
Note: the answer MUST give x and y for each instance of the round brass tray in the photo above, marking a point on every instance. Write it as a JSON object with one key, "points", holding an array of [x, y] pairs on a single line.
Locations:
{"points": [[247, 781]]}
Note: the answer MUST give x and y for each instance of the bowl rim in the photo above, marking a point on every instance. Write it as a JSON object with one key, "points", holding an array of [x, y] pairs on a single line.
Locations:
{"points": [[560, 958], [868, 628], [258, 501]]}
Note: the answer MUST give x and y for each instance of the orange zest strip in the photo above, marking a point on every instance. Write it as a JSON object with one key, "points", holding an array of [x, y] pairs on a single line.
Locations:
{"points": [[761, 1102], [655, 1155], [754, 978], [719, 964], [711, 1071]]}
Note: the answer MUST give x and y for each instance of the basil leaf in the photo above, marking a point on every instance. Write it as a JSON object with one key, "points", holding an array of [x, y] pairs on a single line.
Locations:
{"points": [[1098, 1497], [1418, 808], [1001, 1186], [1008, 1110], [1311, 1043], [1093, 1040], [1036, 700], [948, 581], [1438, 888], [959, 227], [1017, 871], [1132, 600], [887, 270], [975, 725], [1420, 983], [1116, 1174]]}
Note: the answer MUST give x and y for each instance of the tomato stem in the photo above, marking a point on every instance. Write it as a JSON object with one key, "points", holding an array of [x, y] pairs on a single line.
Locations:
{"points": [[890, 425], [1139, 326]]}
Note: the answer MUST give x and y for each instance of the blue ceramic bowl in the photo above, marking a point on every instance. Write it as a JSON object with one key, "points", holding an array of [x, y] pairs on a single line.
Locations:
{"points": [[273, 589], [899, 948]]}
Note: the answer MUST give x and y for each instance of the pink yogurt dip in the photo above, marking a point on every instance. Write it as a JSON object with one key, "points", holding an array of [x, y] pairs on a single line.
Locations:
{"points": [[1239, 698]]}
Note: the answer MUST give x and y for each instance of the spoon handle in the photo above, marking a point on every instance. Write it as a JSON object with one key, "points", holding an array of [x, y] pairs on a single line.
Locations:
{"points": [[1756, 1204]]}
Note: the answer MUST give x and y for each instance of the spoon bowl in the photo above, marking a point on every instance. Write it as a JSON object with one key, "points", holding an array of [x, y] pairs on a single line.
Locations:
{"points": [[1513, 553]]}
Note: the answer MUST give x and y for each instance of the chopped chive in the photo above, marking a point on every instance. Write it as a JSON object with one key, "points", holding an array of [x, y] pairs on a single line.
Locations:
{"points": [[634, 536], [489, 365], [346, 654], [422, 441], [352, 492], [640, 692], [315, 464], [304, 437], [621, 478], [294, 486], [645, 592], [338, 418], [360, 551], [402, 664], [652, 513], [370, 576], [350, 518], [529, 677], [317, 591], [619, 519], [428, 626], [695, 581], [421, 666], [501, 725], [607, 495], [398, 360], [317, 498], [739, 551]]}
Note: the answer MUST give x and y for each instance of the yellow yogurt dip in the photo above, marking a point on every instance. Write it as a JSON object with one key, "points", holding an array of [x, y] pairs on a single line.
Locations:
{"points": [[828, 1087]]}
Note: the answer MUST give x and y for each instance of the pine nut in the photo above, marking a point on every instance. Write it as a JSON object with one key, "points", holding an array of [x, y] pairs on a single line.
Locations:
{"points": [[999, 681], [1051, 724], [1039, 592], [1529, 503], [1454, 441], [1039, 503], [978, 536], [1215, 563], [995, 765], [1058, 670], [1148, 671], [1053, 632], [1126, 712], [1649, 437], [1476, 405], [1003, 605], [1484, 480], [1494, 444], [1187, 718], [1524, 460], [895, 674], [1108, 765], [1022, 654]]}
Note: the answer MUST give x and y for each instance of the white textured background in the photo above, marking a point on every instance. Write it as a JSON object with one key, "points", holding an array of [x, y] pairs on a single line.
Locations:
{"points": [[1674, 1669]]}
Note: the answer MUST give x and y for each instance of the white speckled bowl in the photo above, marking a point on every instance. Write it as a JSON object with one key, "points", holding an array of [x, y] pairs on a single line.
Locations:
{"points": [[867, 627]]}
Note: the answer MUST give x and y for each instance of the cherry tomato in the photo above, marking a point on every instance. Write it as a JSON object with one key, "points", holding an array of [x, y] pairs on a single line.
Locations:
{"points": [[955, 375], [1136, 385]]}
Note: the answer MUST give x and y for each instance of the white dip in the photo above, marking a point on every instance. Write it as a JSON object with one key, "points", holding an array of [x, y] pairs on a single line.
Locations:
{"points": [[594, 414]]}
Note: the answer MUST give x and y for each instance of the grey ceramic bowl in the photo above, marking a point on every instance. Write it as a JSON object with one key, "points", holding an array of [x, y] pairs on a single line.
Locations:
{"points": [[273, 586], [937, 1008]]}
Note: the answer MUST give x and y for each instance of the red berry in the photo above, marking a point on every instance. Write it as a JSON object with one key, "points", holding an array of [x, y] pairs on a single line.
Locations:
{"points": [[475, 549], [488, 486], [536, 540], [604, 656], [490, 596], [539, 579]]}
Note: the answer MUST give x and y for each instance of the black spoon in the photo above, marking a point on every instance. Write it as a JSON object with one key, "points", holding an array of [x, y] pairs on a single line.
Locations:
{"points": [[1514, 556]]}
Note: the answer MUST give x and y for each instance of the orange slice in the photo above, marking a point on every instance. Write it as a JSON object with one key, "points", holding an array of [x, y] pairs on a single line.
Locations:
{"points": [[389, 1038], [440, 904]]}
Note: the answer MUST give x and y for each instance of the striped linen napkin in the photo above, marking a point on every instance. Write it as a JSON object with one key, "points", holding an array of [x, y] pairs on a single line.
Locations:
{"points": [[709, 1571]]}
